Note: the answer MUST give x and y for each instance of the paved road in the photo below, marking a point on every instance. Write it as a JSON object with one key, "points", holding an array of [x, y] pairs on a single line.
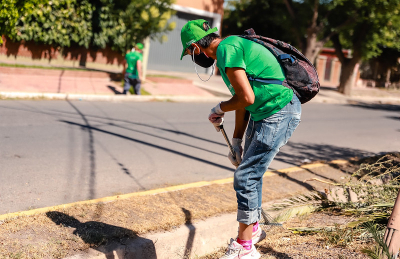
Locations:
{"points": [[55, 152]]}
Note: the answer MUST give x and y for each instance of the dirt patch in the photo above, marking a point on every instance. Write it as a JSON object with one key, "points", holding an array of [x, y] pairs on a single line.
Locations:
{"points": [[61, 233]]}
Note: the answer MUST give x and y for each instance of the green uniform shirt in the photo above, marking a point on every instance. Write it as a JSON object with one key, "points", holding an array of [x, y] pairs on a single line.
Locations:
{"points": [[132, 59], [258, 62]]}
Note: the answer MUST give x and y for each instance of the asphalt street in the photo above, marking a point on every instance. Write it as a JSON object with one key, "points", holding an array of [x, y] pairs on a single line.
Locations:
{"points": [[56, 152]]}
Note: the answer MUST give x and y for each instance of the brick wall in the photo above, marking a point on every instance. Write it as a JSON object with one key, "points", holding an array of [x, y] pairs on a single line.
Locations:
{"points": [[39, 53]]}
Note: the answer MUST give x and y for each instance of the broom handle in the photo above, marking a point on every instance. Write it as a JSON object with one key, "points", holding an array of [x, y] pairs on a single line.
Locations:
{"points": [[227, 141]]}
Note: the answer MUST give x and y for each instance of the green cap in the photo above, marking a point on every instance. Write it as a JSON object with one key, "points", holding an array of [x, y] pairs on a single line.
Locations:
{"points": [[139, 46], [193, 31]]}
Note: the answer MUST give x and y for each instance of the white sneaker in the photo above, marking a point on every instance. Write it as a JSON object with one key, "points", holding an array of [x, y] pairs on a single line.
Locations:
{"points": [[259, 235], [236, 251]]}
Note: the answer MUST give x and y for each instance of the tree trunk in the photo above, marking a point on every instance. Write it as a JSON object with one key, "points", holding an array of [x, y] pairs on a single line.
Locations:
{"points": [[83, 58], [346, 76], [312, 50], [388, 73], [312, 47], [376, 71]]}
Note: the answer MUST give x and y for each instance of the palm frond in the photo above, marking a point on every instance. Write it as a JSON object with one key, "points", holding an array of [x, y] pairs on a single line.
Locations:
{"points": [[310, 198], [371, 218], [294, 211]]}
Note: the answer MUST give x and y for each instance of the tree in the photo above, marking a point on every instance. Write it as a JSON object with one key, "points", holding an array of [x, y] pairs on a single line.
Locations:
{"points": [[316, 33], [123, 23], [375, 23], [361, 25], [9, 14], [388, 60], [60, 23], [302, 23], [88, 23], [267, 17], [381, 68]]}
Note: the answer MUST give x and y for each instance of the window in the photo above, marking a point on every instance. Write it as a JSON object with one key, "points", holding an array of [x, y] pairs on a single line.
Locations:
{"points": [[328, 69]]}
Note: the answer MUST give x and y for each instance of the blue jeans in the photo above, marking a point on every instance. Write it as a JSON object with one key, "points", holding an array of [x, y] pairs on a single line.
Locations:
{"points": [[132, 82], [263, 140]]}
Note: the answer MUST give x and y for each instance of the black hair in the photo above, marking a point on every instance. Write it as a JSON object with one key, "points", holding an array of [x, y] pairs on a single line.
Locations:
{"points": [[205, 42]]}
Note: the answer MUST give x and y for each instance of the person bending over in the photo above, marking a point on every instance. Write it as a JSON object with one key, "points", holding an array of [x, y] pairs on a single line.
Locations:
{"points": [[270, 112]]}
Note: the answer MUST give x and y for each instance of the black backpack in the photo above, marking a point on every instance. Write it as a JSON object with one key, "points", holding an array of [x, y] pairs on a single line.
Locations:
{"points": [[301, 75]]}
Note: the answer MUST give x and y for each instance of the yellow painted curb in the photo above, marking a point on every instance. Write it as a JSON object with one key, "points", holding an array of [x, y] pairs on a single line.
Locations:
{"points": [[160, 190]]}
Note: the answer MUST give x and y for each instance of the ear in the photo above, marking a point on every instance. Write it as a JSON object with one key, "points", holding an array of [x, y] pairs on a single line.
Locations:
{"points": [[196, 48]]}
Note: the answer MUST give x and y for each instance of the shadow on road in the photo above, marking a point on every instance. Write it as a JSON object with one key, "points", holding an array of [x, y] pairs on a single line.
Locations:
{"points": [[56, 113], [148, 144], [371, 106], [298, 152], [393, 117], [177, 132], [163, 138]]}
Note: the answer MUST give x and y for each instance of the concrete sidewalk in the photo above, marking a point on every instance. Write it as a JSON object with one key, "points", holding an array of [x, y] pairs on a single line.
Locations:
{"points": [[48, 82], [326, 95], [175, 86]]}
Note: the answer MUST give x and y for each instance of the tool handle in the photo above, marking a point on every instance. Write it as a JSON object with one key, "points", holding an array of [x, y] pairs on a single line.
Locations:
{"points": [[227, 141]]}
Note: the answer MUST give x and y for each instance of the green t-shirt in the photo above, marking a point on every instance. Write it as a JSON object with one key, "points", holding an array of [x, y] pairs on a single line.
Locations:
{"points": [[258, 62], [131, 59]]}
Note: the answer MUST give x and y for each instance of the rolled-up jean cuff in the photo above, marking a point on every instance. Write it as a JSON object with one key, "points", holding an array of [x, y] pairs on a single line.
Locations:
{"points": [[249, 217]]}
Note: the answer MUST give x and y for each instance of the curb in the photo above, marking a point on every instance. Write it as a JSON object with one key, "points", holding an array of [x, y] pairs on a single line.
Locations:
{"points": [[356, 99], [115, 98], [175, 98], [160, 190]]}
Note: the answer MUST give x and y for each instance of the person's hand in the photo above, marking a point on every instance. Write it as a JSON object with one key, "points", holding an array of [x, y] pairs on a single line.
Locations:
{"points": [[237, 147], [216, 116]]}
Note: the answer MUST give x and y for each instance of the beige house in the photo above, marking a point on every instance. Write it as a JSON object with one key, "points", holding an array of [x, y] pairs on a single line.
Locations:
{"points": [[166, 56]]}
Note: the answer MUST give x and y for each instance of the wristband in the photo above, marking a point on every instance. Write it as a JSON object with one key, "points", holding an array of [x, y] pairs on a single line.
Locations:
{"points": [[218, 109], [236, 142]]}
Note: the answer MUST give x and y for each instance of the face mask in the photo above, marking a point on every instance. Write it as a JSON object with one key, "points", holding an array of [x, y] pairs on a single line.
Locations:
{"points": [[203, 61]]}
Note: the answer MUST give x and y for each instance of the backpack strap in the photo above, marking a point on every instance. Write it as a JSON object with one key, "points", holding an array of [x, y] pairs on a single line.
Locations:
{"points": [[286, 56], [266, 80], [271, 80]]}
